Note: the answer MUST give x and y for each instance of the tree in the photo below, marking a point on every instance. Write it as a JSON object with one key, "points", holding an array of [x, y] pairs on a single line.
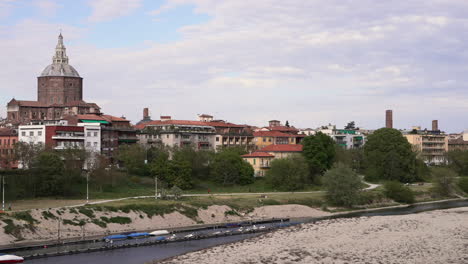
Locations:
{"points": [[288, 174], [287, 123], [443, 181], [353, 158], [319, 152], [179, 174], [389, 156], [26, 153], [343, 185], [229, 168], [463, 184], [133, 158], [458, 160], [199, 160], [351, 125]]}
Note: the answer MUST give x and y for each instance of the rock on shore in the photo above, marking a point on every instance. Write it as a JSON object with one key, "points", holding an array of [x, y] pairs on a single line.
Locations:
{"points": [[430, 237]]}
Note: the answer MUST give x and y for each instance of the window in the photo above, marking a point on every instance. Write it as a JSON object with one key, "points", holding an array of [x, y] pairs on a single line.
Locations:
{"points": [[217, 139], [95, 144], [88, 144], [95, 134], [23, 133], [88, 134], [31, 133], [14, 141], [255, 161], [264, 139], [167, 136], [39, 133]]}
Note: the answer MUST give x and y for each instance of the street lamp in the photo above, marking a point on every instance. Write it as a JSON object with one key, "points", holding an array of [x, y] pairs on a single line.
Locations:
{"points": [[3, 192]]}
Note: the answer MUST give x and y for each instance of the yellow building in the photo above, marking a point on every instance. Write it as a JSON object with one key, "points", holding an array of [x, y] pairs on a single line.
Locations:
{"points": [[431, 146], [267, 138], [260, 161]]}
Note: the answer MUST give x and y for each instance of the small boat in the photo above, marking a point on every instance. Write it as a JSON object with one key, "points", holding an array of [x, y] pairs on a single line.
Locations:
{"points": [[262, 227], [7, 258], [115, 237], [159, 233], [172, 237], [138, 235], [217, 233], [240, 229], [189, 235], [160, 238]]}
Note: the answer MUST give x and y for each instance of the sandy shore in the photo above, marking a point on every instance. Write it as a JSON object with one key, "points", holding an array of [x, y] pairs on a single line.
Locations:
{"points": [[430, 237]]}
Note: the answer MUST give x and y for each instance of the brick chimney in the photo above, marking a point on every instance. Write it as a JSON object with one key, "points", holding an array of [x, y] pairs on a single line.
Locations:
{"points": [[435, 125], [145, 113], [389, 119]]}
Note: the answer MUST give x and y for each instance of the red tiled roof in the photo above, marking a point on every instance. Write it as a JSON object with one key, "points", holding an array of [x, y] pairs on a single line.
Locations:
{"points": [[91, 117], [282, 148], [186, 123], [258, 154], [458, 141], [283, 128], [7, 132], [271, 134], [30, 103], [114, 118]]}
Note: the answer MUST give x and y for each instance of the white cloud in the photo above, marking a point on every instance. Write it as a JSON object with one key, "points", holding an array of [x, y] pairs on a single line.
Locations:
{"points": [[105, 10], [47, 7], [309, 62]]}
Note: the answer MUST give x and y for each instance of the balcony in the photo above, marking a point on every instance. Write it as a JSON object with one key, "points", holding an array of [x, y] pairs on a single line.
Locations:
{"points": [[125, 139], [68, 137], [264, 165]]}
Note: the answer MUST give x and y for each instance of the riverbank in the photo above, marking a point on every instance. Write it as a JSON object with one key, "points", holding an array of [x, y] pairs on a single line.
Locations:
{"points": [[48, 226], [439, 236]]}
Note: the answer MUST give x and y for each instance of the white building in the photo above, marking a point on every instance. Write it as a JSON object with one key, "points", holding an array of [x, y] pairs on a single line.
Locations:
{"points": [[348, 138], [32, 134], [92, 136]]}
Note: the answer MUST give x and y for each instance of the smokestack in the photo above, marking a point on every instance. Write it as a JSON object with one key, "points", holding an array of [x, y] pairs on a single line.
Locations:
{"points": [[145, 113], [389, 119], [435, 125]]}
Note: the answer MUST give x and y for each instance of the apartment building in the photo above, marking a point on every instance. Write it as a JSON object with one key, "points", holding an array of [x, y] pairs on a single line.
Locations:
{"points": [[261, 159], [347, 138], [430, 144], [8, 139]]}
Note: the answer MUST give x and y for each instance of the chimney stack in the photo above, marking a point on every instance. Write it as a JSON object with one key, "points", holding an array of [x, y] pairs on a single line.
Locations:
{"points": [[145, 113], [389, 119], [435, 125]]}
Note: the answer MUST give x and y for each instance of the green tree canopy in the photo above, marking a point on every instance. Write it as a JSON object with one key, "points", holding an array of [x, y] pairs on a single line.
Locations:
{"points": [[319, 152], [443, 181], [133, 158], [389, 156], [228, 167], [288, 174], [458, 160], [343, 185]]}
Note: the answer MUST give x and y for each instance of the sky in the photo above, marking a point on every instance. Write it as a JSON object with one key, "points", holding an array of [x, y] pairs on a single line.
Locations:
{"points": [[310, 62]]}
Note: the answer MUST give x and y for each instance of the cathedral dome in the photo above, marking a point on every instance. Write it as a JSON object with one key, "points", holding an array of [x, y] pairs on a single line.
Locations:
{"points": [[60, 66], [60, 69]]}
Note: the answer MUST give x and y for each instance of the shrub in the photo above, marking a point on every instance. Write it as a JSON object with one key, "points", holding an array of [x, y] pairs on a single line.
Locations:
{"points": [[343, 185], [463, 184], [398, 192], [444, 181], [86, 211]]}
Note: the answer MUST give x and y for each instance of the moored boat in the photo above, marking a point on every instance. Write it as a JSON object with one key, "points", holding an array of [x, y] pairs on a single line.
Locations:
{"points": [[159, 233], [115, 237], [7, 258], [138, 235]]}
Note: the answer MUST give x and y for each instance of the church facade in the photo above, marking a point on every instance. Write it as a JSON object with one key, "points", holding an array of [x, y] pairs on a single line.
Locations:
{"points": [[59, 93]]}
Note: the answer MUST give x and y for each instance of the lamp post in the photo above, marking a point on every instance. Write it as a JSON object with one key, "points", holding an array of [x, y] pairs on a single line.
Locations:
{"points": [[3, 192], [155, 187]]}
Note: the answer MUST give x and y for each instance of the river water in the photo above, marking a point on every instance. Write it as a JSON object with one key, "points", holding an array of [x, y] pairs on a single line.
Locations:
{"points": [[142, 254]]}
